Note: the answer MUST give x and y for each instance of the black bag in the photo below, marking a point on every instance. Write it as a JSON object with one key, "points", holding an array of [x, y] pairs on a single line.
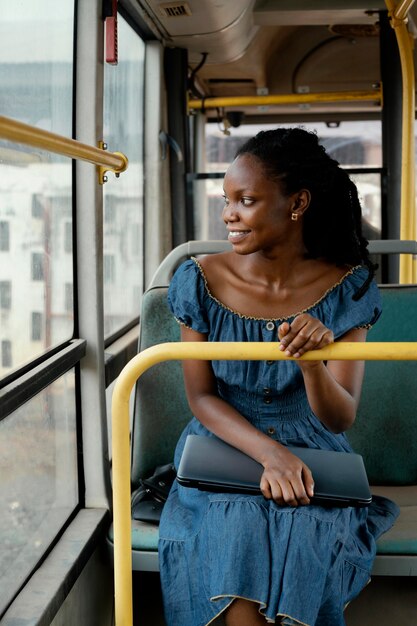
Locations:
{"points": [[149, 498]]}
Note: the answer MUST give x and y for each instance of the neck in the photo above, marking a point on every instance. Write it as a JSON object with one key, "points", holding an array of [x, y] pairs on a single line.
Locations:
{"points": [[276, 269]]}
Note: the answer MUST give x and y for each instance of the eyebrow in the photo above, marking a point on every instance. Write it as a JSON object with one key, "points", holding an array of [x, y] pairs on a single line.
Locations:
{"points": [[242, 190]]}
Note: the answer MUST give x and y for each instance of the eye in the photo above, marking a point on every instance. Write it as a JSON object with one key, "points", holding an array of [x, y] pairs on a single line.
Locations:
{"points": [[225, 200], [246, 201]]}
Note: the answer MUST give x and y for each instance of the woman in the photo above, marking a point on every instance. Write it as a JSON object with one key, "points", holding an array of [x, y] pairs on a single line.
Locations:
{"points": [[298, 273]]}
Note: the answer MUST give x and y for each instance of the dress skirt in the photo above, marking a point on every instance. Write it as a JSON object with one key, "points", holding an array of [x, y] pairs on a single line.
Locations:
{"points": [[304, 564]]}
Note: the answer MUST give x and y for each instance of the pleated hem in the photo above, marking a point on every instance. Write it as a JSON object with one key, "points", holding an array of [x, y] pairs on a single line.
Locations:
{"points": [[262, 605]]}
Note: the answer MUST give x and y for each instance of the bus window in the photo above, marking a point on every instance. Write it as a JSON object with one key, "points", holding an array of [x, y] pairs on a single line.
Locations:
{"points": [[38, 479], [355, 145], [123, 197], [36, 265]]}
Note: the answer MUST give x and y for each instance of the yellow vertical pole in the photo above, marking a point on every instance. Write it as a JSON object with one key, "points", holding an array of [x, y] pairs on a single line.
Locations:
{"points": [[398, 16], [123, 595]]}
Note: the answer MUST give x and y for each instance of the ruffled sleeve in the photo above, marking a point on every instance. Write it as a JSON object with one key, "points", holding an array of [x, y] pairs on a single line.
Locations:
{"points": [[186, 296], [348, 313]]}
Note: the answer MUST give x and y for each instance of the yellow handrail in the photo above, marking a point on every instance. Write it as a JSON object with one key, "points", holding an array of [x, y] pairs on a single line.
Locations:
{"points": [[291, 98], [398, 16], [18, 132], [401, 10], [207, 351]]}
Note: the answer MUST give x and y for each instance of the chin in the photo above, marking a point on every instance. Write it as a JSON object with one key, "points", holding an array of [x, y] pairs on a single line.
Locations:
{"points": [[242, 250]]}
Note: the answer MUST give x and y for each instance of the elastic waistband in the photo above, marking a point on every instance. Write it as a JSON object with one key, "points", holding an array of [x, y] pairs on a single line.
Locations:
{"points": [[290, 405]]}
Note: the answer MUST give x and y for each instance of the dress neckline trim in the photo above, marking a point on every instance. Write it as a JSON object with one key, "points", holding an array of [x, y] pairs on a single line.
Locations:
{"points": [[271, 319]]}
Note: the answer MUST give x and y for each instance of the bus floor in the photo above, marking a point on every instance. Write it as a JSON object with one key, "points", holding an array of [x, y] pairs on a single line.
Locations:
{"points": [[386, 601], [147, 600]]}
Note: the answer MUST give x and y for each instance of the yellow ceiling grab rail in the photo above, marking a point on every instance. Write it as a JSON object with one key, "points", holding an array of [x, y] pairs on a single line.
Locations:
{"points": [[207, 351], [290, 98], [18, 132]]}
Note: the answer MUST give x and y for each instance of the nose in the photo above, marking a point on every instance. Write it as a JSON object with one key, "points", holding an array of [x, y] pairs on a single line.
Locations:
{"points": [[229, 213]]}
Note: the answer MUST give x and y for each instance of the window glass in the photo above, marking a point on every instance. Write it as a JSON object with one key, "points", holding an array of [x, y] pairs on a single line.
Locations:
{"points": [[123, 197], [353, 144], [36, 74], [38, 479]]}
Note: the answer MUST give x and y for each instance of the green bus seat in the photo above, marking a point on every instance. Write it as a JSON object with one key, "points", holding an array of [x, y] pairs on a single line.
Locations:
{"points": [[402, 538], [385, 431], [161, 407]]}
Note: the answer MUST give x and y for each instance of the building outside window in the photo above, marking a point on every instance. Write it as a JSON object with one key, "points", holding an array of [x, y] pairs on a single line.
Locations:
{"points": [[36, 326], [69, 297], [4, 236], [68, 236], [108, 268], [5, 294], [37, 266], [6, 353]]}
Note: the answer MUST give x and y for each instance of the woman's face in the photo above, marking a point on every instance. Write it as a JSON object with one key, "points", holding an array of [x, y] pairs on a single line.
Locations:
{"points": [[256, 212]]}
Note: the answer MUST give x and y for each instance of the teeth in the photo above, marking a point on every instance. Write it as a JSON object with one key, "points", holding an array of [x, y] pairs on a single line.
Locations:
{"points": [[236, 233]]}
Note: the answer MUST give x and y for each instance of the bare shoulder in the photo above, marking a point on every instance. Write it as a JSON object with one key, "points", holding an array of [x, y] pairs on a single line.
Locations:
{"points": [[223, 278], [325, 274], [217, 266]]}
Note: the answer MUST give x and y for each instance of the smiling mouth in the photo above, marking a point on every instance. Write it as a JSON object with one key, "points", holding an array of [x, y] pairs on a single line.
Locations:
{"points": [[236, 235]]}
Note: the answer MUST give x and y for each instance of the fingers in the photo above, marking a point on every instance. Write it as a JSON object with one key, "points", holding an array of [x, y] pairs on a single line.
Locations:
{"points": [[266, 488], [283, 330], [308, 481], [305, 333], [289, 492]]}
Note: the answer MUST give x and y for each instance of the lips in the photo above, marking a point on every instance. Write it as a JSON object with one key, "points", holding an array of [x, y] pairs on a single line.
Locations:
{"points": [[237, 235]]}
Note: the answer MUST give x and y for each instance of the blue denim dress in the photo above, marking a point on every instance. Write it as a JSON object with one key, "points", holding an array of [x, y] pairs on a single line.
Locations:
{"points": [[301, 563]]}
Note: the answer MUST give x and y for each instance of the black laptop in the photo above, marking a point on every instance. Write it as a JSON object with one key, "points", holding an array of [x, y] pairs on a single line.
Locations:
{"points": [[210, 464]]}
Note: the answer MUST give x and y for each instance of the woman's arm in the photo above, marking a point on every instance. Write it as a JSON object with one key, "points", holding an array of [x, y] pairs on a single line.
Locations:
{"points": [[333, 390], [213, 412], [286, 479]]}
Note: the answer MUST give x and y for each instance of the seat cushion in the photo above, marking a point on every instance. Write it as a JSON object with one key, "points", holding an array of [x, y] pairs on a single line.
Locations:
{"points": [[402, 538], [144, 536]]}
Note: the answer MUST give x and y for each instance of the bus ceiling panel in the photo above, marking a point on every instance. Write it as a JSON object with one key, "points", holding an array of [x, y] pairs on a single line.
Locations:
{"points": [[316, 12], [220, 28], [285, 59], [339, 62], [316, 59]]}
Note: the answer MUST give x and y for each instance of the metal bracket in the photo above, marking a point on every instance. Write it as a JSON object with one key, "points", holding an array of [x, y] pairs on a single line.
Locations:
{"points": [[102, 169]]}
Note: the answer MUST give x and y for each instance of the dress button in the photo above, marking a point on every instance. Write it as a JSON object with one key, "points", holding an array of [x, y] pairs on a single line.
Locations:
{"points": [[269, 362], [270, 326], [267, 400], [267, 391], [271, 430]]}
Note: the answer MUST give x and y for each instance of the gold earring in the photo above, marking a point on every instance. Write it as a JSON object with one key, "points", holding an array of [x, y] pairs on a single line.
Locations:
{"points": [[294, 216]]}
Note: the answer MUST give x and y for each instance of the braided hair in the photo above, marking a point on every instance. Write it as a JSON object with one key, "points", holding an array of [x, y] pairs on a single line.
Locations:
{"points": [[332, 224]]}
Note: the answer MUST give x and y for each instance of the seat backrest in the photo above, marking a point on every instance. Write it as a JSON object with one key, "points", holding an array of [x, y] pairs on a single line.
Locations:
{"points": [[161, 409], [385, 431]]}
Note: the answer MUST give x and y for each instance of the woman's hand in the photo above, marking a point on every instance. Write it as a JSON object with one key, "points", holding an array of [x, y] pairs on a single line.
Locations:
{"points": [[286, 479], [305, 333]]}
